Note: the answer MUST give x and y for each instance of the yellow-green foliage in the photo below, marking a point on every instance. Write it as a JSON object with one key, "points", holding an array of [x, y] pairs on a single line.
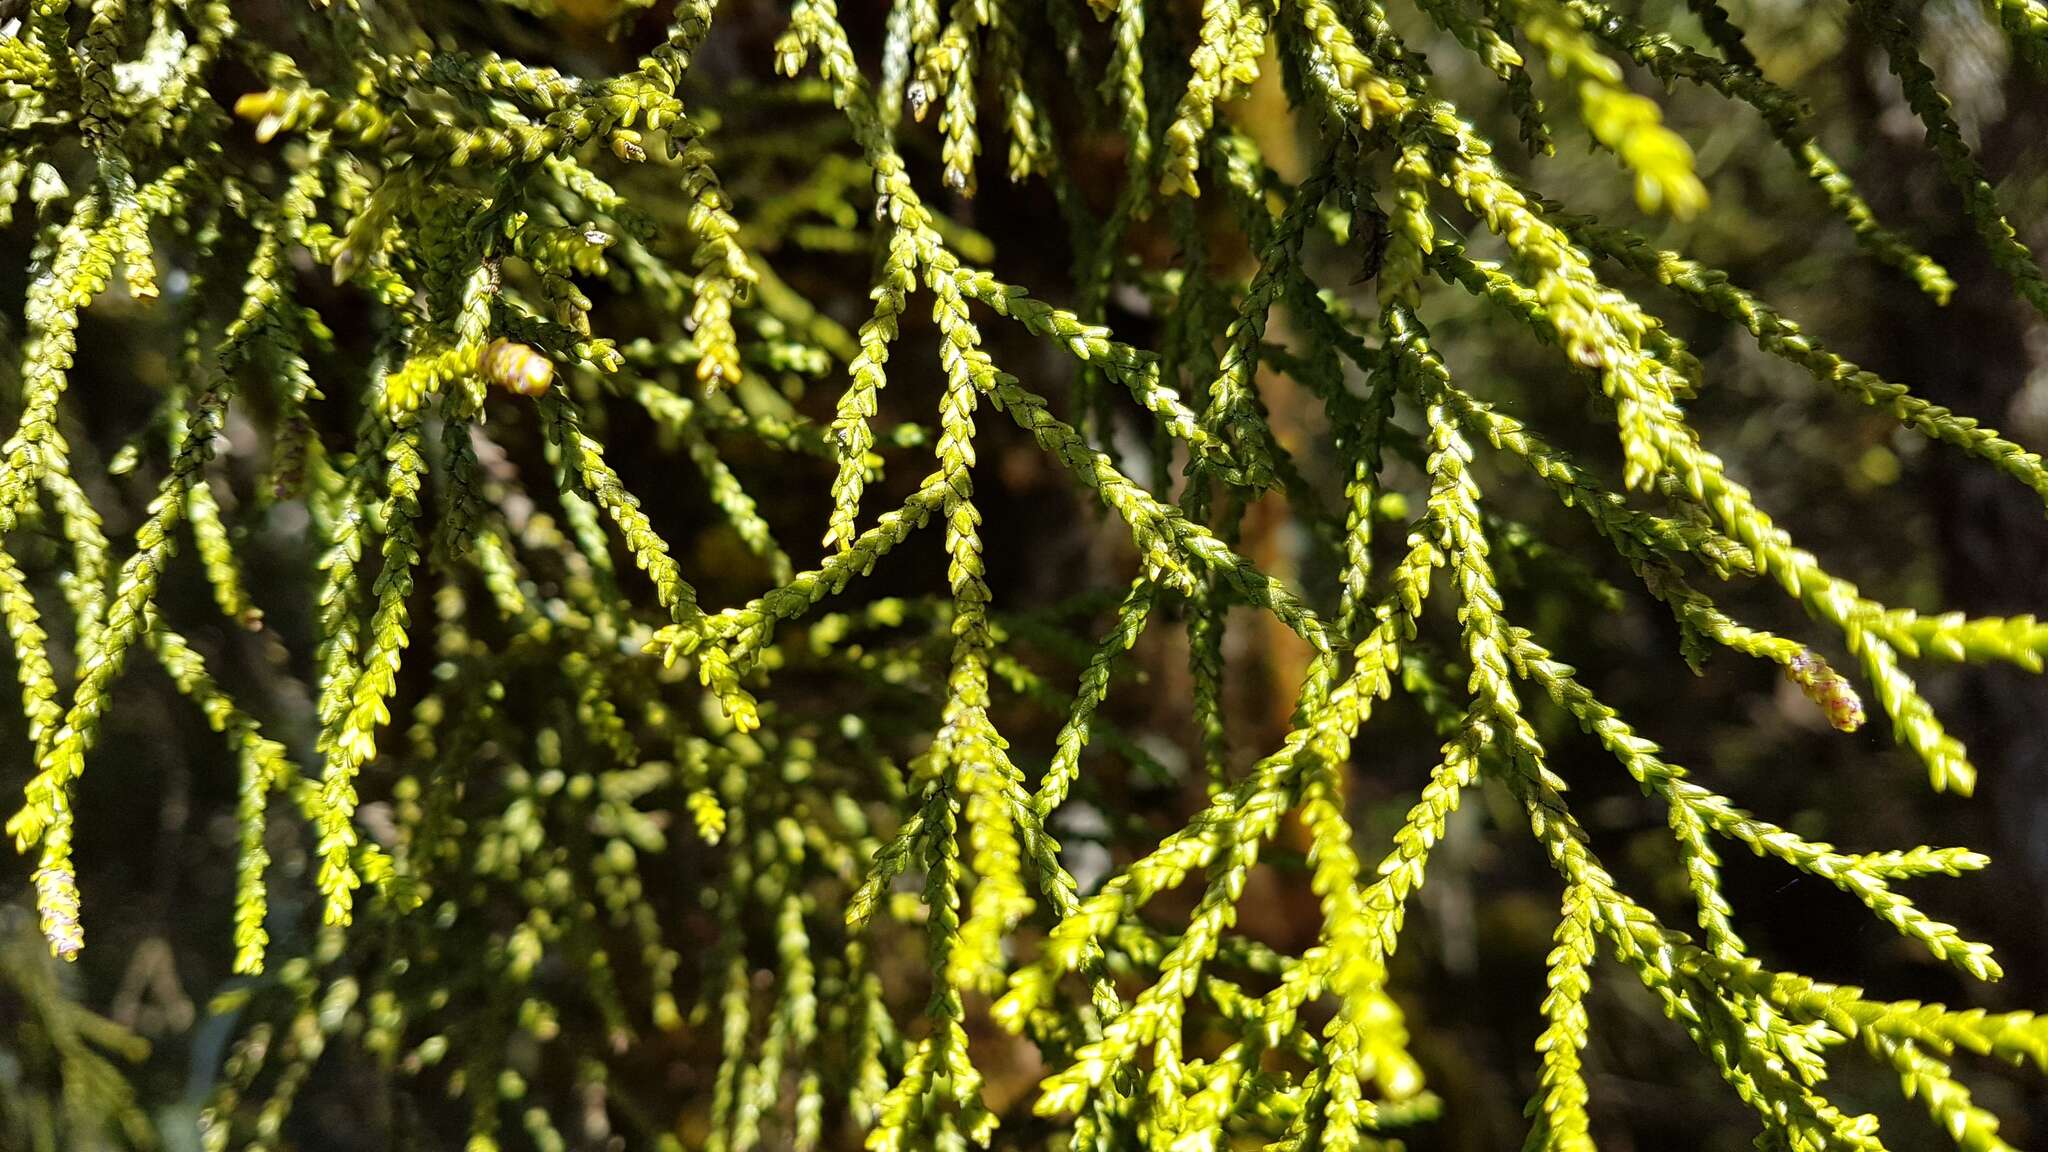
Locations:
{"points": [[553, 262], [66, 1083]]}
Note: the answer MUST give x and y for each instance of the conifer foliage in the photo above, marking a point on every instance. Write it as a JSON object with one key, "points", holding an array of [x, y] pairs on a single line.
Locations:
{"points": [[617, 820]]}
